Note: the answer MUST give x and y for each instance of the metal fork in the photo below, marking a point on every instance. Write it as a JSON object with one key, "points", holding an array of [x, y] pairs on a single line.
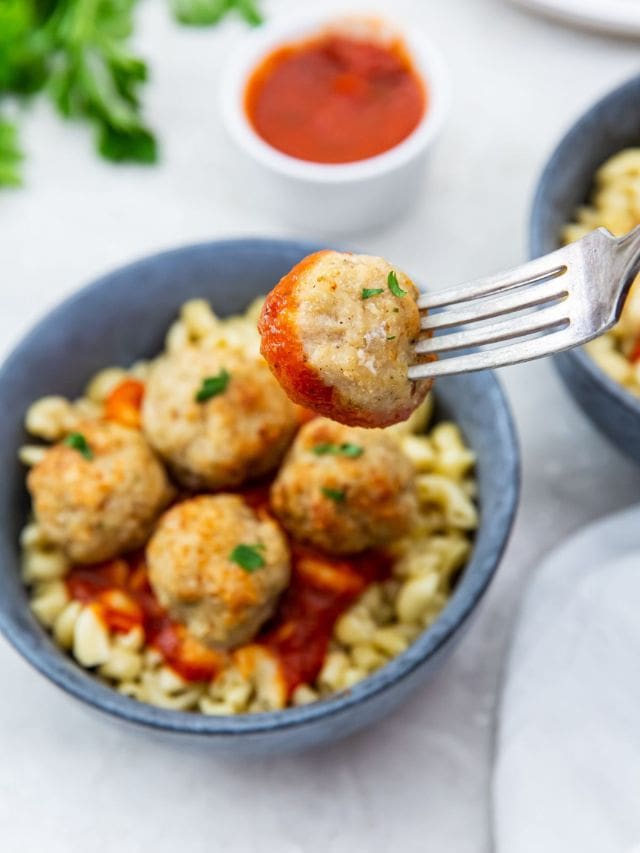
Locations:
{"points": [[551, 304]]}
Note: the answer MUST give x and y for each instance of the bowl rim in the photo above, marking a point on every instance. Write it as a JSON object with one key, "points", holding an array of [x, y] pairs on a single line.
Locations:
{"points": [[570, 139], [79, 682], [256, 45]]}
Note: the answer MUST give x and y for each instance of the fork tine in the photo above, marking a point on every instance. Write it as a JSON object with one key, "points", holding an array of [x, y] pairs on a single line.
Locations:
{"points": [[538, 270], [484, 309], [502, 357], [538, 321]]}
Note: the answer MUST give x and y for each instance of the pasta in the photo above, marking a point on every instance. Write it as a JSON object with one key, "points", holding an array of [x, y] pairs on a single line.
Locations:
{"points": [[380, 624], [615, 205]]}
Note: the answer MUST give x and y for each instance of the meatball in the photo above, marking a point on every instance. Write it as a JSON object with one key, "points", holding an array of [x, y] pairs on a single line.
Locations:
{"points": [[338, 333], [99, 492], [345, 489], [218, 567], [216, 416]]}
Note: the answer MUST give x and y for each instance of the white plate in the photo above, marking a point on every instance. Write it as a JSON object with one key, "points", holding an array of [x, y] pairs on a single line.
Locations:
{"points": [[613, 16], [567, 770]]}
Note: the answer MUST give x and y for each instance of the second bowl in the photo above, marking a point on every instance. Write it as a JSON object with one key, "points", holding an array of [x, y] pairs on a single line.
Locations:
{"points": [[610, 126]]}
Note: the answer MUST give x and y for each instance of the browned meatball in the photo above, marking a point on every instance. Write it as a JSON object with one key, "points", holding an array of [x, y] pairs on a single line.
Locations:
{"points": [[338, 332], [217, 416], [345, 489], [218, 567], [99, 494]]}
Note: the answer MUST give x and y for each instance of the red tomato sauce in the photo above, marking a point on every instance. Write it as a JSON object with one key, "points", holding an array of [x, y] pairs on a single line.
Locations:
{"points": [[281, 344], [124, 403], [120, 592], [322, 587], [335, 99]]}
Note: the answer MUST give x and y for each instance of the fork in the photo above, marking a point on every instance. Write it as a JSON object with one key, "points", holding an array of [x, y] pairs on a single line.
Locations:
{"points": [[554, 303]]}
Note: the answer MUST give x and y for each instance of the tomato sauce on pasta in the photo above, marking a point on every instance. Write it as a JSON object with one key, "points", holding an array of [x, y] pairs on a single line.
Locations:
{"points": [[321, 589]]}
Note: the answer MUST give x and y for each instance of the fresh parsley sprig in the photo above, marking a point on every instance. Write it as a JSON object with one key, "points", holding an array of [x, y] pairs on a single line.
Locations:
{"points": [[95, 77], [10, 155], [200, 13], [77, 51], [368, 292], [77, 441], [248, 557], [352, 451], [338, 496], [213, 385], [394, 286]]}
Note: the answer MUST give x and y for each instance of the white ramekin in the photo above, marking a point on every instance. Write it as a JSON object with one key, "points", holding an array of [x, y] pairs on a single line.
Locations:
{"points": [[342, 198]]}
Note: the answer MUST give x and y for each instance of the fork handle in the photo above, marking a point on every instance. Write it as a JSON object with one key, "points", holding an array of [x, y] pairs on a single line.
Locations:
{"points": [[628, 251]]}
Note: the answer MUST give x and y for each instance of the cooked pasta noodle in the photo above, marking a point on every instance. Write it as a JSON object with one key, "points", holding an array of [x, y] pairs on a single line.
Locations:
{"points": [[615, 205]]}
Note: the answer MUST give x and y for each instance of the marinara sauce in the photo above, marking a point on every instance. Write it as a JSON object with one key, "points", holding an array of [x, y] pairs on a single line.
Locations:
{"points": [[322, 587], [335, 99]]}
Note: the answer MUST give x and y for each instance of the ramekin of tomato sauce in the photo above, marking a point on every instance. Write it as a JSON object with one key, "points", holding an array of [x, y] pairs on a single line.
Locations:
{"points": [[336, 116]]}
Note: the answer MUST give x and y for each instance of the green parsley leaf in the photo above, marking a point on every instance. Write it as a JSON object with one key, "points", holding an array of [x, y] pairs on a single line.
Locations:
{"points": [[248, 557], [391, 337], [10, 155], [93, 76], [368, 292], [77, 52], [78, 442], [336, 495], [394, 287], [212, 386], [137, 146], [352, 451], [23, 69], [202, 13]]}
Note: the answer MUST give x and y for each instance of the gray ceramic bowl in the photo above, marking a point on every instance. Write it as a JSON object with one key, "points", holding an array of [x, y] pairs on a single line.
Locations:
{"points": [[123, 317], [609, 126]]}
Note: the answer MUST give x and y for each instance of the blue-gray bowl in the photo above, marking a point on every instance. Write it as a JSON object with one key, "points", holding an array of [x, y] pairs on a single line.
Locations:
{"points": [[123, 317], [612, 124]]}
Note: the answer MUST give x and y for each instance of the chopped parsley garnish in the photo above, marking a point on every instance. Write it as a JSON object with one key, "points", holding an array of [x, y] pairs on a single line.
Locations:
{"points": [[391, 337], [352, 451], [248, 557], [336, 495], [368, 292], [78, 442], [394, 287], [212, 386]]}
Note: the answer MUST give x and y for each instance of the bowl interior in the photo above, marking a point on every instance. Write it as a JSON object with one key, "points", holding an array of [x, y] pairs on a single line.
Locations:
{"points": [[124, 317]]}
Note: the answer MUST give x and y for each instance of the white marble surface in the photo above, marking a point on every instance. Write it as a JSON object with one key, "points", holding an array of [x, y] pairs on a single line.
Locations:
{"points": [[420, 780]]}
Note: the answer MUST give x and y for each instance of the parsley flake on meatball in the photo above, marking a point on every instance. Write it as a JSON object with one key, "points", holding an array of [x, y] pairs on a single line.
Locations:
{"points": [[98, 493], [345, 489], [219, 567], [217, 417]]}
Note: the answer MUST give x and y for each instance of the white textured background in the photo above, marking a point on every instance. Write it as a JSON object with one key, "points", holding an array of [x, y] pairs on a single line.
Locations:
{"points": [[420, 780]]}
